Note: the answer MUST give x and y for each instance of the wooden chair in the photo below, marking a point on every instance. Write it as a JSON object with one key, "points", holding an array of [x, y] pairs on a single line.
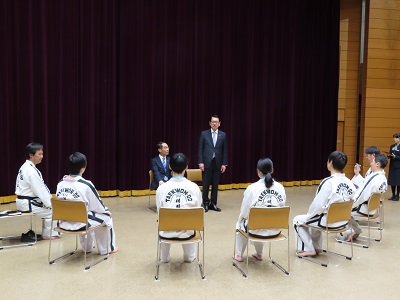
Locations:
{"points": [[266, 218], [151, 178], [73, 211], [17, 214], [337, 212], [175, 219]]}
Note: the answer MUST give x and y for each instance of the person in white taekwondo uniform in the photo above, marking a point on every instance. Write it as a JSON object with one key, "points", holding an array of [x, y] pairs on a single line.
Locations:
{"points": [[335, 188], [370, 153], [178, 192], [74, 186], [32, 193], [375, 183], [266, 192]]}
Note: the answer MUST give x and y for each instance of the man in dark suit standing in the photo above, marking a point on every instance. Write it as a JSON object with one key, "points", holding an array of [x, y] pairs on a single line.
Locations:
{"points": [[213, 160], [160, 166]]}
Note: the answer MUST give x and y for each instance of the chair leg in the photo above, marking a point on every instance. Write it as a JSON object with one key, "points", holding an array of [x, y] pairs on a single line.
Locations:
{"points": [[149, 206], [234, 262], [277, 264], [158, 259], [367, 238], [104, 257], [86, 267], [201, 265], [65, 255], [308, 258]]}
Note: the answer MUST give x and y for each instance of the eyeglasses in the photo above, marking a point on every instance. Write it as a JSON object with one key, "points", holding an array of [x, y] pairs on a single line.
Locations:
{"points": [[165, 148], [214, 122]]}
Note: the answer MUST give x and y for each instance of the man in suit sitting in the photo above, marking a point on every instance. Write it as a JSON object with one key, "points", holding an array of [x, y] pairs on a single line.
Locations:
{"points": [[213, 160], [160, 166]]}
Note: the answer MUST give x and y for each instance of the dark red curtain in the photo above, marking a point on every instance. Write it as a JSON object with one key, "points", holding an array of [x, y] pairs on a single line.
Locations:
{"points": [[112, 78]]}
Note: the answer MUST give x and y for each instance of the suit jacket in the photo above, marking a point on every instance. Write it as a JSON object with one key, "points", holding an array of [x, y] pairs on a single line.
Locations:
{"points": [[159, 172], [394, 162], [206, 149]]}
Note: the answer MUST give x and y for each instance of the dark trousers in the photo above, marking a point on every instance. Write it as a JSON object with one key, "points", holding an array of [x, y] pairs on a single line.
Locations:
{"points": [[211, 176]]}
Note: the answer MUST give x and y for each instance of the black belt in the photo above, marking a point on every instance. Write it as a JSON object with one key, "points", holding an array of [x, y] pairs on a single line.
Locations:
{"points": [[32, 201], [26, 197]]}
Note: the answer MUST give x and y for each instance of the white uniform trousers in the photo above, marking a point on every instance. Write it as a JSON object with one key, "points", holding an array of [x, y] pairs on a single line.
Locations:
{"points": [[241, 244], [310, 239], [103, 235], [43, 212], [189, 252], [356, 227]]}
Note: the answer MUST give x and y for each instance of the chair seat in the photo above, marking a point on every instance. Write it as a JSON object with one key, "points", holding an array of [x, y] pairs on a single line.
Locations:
{"points": [[371, 217], [59, 229], [339, 230], [280, 237], [196, 239]]}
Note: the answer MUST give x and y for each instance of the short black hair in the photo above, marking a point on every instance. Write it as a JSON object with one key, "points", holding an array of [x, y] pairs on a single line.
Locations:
{"points": [[31, 148], [372, 150], [382, 160], [76, 162], [396, 135], [160, 145], [178, 162], [215, 116], [338, 159]]}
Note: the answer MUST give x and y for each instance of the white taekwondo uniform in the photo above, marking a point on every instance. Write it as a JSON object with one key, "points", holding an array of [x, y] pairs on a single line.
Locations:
{"points": [[178, 192], [84, 190], [335, 188], [375, 183], [258, 195], [34, 196]]}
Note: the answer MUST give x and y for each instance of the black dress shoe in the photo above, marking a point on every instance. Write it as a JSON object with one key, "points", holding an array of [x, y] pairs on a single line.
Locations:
{"points": [[392, 198], [206, 208], [30, 237], [396, 198], [214, 207]]}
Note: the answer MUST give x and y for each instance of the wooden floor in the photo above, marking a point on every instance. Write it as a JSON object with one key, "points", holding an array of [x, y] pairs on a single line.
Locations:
{"points": [[129, 274]]}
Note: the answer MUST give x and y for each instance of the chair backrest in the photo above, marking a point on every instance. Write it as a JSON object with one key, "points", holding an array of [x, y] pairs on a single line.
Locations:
{"points": [[374, 202], [151, 177], [194, 174], [268, 218], [173, 219], [69, 210], [339, 212]]}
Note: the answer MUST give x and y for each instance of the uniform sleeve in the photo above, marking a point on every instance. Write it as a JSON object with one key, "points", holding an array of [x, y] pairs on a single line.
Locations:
{"points": [[40, 189], [358, 180], [318, 206], [362, 195], [159, 196], [199, 196], [283, 193], [246, 204], [95, 203]]}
